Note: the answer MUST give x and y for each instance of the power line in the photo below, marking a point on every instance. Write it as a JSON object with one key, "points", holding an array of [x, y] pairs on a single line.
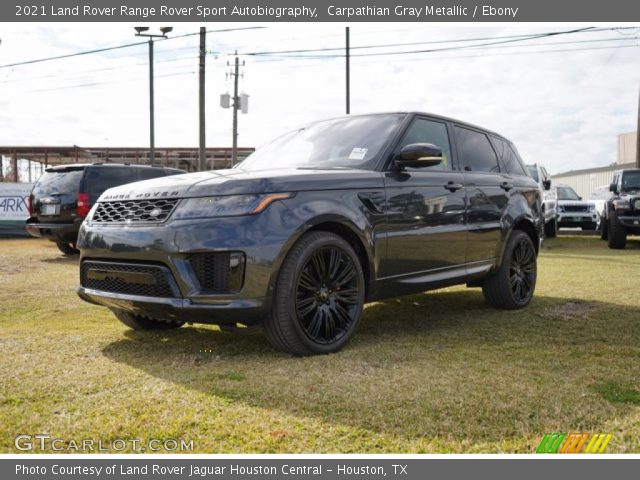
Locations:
{"points": [[117, 47]]}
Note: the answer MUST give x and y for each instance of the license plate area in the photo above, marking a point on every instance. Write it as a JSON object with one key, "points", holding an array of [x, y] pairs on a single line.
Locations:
{"points": [[50, 209]]}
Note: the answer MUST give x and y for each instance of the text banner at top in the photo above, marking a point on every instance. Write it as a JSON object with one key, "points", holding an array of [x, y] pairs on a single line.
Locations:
{"points": [[319, 11]]}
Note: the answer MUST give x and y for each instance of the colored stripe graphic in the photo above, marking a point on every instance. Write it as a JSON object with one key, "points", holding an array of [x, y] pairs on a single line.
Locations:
{"points": [[551, 442], [598, 443]]}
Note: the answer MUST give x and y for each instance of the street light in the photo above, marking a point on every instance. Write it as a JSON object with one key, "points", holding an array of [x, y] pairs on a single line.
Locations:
{"points": [[141, 32]]}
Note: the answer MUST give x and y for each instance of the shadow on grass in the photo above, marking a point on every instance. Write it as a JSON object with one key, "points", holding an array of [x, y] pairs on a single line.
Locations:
{"points": [[442, 364], [62, 260]]}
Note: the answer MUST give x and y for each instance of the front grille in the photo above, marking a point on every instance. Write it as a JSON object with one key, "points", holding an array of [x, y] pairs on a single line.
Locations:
{"points": [[134, 211], [575, 208], [127, 279], [218, 272]]}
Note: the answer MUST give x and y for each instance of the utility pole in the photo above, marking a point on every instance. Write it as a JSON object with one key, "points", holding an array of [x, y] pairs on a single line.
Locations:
{"points": [[234, 151], [347, 48], [638, 134], [203, 147], [140, 33]]}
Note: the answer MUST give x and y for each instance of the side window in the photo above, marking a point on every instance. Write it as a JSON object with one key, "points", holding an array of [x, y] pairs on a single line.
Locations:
{"points": [[100, 179], [475, 151], [429, 131], [509, 161], [148, 173]]}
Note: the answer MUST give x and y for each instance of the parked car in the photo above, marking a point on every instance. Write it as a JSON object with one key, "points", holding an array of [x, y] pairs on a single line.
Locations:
{"points": [[599, 198], [549, 199], [573, 211], [311, 226], [623, 208], [63, 195]]}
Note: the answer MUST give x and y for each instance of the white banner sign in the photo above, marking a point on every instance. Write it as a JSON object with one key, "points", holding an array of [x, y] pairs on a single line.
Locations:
{"points": [[13, 201]]}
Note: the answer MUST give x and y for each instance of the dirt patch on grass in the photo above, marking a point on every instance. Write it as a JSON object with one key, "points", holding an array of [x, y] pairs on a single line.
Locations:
{"points": [[574, 310]]}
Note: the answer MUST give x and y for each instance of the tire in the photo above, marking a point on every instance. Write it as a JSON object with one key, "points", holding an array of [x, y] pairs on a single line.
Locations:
{"points": [[551, 228], [319, 296], [604, 229], [617, 233], [138, 322], [513, 284], [67, 248]]}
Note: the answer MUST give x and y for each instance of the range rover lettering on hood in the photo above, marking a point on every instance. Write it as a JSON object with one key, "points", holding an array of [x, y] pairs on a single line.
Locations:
{"points": [[140, 195]]}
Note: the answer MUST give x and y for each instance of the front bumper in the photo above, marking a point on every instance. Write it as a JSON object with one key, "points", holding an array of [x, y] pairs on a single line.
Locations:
{"points": [[62, 232], [629, 221], [577, 219], [170, 248]]}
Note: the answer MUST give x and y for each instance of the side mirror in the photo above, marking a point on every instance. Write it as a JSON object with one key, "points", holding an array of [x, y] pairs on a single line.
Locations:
{"points": [[613, 188], [418, 155], [547, 184]]}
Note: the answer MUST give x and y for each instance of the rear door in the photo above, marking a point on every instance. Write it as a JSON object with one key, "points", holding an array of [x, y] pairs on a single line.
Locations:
{"points": [[55, 195], [488, 191]]}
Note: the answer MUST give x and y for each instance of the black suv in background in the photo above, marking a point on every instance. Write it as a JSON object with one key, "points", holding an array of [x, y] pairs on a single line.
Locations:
{"points": [[311, 226], [622, 210], [63, 196]]}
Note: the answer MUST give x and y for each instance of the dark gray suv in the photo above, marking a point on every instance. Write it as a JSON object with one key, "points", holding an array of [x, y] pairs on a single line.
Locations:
{"points": [[307, 229]]}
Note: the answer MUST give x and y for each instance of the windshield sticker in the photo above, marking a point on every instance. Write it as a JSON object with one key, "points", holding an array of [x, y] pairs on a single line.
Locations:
{"points": [[358, 153]]}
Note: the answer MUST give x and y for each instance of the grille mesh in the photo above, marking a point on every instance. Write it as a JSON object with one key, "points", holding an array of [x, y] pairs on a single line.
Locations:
{"points": [[212, 270], [576, 208], [115, 284], [155, 210]]}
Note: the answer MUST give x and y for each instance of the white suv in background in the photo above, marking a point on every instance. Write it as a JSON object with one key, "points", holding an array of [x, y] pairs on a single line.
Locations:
{"points": [[599, 197], [549, 199], [573, 212]]}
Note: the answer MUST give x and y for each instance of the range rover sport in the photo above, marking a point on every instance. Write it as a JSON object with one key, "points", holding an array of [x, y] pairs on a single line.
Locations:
{"points": [[311, 226]]}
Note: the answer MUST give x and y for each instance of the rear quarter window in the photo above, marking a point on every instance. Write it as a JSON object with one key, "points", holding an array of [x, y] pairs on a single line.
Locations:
{"points": [[149, 173], [100, 179]]}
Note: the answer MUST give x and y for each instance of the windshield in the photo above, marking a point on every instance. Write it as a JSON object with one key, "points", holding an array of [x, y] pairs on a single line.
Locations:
{"points": [[631, 180], [567, 193], [61, 181], [352, 142], [533, 172]]}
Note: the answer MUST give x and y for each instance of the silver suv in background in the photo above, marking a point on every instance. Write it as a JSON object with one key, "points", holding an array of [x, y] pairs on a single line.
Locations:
{"points": [[549, 199], [573, 211]]}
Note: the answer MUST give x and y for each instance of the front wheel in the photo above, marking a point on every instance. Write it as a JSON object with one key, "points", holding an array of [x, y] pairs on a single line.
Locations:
{"points": [[512, 285], [604, 229], [138, 322], [551, 228], [319, 296], [617, 233]]}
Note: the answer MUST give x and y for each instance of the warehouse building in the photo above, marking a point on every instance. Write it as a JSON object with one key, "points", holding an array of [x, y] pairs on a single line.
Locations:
{"points": [[584, 182]]}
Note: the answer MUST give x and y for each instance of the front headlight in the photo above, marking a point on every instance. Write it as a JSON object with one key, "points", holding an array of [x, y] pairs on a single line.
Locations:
{"points": [[636, 204], [225, 206]]}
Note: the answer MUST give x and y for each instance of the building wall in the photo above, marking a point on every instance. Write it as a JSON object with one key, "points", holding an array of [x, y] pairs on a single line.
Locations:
{"points": [[627, 144], [585, 181]]}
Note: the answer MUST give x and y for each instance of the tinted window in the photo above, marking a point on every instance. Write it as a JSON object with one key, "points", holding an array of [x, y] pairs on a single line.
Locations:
{"points": [[63, 181], [148, 173], [475, 152], [428, 131], [631, 180], [102, 178], [533, 172], [508, 159]]}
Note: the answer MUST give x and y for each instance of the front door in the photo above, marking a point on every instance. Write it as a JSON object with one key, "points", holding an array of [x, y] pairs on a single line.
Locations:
{"points": [[425, 209]]}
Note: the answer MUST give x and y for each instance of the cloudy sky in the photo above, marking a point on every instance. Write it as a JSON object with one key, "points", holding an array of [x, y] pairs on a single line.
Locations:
{"points": [[563, 99]]}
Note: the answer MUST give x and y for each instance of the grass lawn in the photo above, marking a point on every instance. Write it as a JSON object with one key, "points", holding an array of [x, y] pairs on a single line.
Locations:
{"points": [[436, 372]]}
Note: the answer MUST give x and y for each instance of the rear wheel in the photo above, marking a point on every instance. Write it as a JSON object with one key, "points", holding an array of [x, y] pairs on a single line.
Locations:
{"points": [[319, 296], [551, 228], [67, 248], [513, 284], [617, 233], [138, 322]]}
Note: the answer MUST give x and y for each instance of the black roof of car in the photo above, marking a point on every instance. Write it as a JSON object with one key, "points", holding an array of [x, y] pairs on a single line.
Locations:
{"points": [[79, 166]]}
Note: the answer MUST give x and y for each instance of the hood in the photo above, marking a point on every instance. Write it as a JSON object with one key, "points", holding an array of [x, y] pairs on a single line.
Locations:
{"points": [[237, 182]]}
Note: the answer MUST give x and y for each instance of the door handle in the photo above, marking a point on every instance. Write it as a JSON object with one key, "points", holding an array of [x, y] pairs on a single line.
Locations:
{"points": [[506, 186], [452, 186]]}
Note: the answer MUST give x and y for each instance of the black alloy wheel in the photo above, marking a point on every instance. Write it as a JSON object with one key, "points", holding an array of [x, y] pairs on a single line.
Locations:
{"points": [[327, 299], [319, 296], [522, 271]]}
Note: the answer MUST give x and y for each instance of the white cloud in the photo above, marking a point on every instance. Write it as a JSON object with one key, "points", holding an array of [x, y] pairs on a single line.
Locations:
{"points": [[562, 109]]}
